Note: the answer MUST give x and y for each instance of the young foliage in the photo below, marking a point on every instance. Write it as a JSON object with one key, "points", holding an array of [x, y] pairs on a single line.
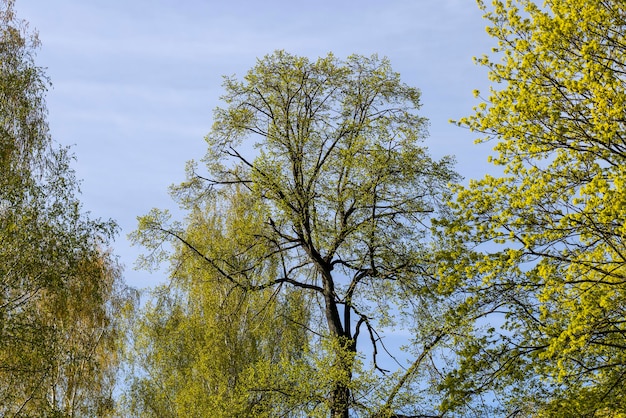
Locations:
{"points": [[58, 290], [330, 150], [205, 346], [548, 233]]}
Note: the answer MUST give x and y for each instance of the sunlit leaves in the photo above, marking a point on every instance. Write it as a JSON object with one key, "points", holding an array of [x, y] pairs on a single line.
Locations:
{"points": [[59, 287], [329, 151], [207, 345], [554, 222]]}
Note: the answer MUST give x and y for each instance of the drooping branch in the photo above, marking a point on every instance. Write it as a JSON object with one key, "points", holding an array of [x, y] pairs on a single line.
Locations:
{"points": [[375, 338], [230, 277]]}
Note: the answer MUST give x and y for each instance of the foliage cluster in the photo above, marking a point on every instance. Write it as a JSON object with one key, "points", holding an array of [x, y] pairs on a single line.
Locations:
{"points": [[542, 246], [60, 289]]}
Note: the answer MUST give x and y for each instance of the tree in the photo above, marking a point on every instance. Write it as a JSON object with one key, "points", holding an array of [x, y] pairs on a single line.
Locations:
{"points": [[202, 344], [348, 193], [548, 234], [84, 345], [59, 290]]}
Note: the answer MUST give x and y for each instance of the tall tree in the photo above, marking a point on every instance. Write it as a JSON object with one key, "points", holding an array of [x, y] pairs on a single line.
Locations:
{"points": [[58, 289], [348, 192], [549, 232]]}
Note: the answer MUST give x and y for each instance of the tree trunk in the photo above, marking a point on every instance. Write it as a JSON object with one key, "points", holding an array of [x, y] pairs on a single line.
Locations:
{"points": [[345, 351], [340, 402]]}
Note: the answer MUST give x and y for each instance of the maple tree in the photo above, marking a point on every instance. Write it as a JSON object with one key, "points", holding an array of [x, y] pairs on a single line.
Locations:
{"points": [[540, 248]]}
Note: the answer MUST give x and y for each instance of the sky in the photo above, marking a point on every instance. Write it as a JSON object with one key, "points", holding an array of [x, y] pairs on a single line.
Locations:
{"points": [[135, 82]]}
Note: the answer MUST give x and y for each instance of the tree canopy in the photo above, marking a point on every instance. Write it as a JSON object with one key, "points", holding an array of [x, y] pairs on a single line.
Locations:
{"points": [[59, 287], [330, 150], [547, 236]]}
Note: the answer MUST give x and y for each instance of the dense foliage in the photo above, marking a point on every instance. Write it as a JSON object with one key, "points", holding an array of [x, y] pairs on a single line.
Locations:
{"points": [[548, 234], [59, 288], [205, 346]]}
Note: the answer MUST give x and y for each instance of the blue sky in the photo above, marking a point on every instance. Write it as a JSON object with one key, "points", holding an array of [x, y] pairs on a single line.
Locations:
{"points": [[135, 81]]}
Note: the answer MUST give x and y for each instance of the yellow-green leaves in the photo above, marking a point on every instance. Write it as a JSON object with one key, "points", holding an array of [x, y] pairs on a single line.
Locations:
{"points": [[335, 193], [59, 288], [207, 345], [550, 233]]}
